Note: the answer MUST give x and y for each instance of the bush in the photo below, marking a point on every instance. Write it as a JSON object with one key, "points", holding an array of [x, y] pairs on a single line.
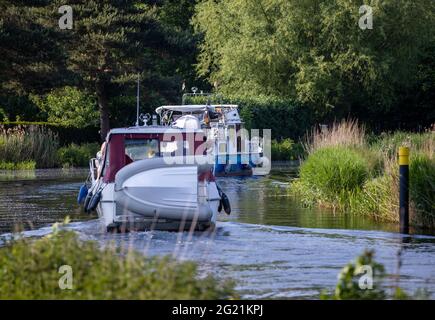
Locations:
{"points": [[30, 270], [348, 280], [286, 150], [348, 286], [77, 155], [334, 173], [69, 107]]}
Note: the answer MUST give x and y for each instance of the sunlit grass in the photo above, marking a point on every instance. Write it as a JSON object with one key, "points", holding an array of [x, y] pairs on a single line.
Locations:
{"points": [[25, 165]]}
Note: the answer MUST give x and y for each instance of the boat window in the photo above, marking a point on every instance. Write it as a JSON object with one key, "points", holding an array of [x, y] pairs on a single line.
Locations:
{"points": [[139, 149]]}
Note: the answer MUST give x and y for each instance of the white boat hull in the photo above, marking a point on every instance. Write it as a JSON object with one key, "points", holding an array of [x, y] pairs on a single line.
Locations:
{"points": [[151, 194]]}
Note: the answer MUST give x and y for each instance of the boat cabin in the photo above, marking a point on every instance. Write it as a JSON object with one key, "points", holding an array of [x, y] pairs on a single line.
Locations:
{"points": [[126, 145]]}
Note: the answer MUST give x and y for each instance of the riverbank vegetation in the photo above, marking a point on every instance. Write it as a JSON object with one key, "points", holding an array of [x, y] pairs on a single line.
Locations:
{"points": [[347, 170], [30, 147], [31, 269]]}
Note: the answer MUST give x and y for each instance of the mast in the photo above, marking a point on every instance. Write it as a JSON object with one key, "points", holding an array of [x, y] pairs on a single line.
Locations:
{"points": [[137, 101]]}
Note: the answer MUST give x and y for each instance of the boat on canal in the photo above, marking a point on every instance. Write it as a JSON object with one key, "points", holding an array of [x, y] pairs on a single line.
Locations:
{"points": [[154, 177], [234, 154]]}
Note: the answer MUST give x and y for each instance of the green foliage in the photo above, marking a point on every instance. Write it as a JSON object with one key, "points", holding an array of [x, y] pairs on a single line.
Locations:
{"points": [[348, 287], [378, 198], [345, 171], [286, 150], [30, 50], [69, 107], [110, 44], [286, 118], [3, 115], [422, 188], [31, 144], [77, 155], [348, 280], [314, 51], [30, 270], [335, 173], [25, 165]]}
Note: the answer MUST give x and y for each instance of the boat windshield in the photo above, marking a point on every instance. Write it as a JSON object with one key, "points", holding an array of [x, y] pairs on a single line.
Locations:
{"points": [[139, 149]]}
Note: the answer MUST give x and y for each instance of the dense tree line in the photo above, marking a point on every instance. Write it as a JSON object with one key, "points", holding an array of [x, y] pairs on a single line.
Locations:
{"points": [[310, 52], [315, 51], [111, 44]]}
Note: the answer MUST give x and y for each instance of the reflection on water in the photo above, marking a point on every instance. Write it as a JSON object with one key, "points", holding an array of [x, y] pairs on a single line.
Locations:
{"points": [[35, 198], [271, 246]]}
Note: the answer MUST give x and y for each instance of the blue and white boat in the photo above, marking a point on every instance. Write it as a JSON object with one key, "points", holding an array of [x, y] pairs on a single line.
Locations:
{"points": [[234, 152]]}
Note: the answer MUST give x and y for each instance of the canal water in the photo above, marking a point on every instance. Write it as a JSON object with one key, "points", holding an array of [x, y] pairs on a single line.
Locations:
{"points": [[270, 245]]}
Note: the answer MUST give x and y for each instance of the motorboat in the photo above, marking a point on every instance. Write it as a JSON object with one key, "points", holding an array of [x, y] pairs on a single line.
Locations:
{"points": [[154, 177], [233, 151]]}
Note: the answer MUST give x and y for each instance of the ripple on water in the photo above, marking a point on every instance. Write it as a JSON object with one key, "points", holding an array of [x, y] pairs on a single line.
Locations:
{"points": [[271, 246]]}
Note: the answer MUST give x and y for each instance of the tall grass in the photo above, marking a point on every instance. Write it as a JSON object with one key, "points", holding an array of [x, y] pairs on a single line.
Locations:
{"points": [[334, 156], [30, 270], [25, 144], [347, 133], [333, 174]]}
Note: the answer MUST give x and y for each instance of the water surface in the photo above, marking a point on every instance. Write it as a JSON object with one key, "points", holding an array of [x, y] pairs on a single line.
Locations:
{"points": [[269, 244]]}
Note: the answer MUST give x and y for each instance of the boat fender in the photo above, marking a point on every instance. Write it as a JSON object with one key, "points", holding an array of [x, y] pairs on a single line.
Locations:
{"points": [[220, 206], [83, 192], [87, 201], [94, 201], [225, 203]]}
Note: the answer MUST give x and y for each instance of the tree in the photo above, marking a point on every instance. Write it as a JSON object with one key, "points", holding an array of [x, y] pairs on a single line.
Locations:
{"points": [[110, 44], [111, 41], [32, 59], [315, 51], [69, 107]]}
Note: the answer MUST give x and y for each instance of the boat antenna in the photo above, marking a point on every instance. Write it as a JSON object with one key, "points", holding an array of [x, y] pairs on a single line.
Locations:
{"points": [[137, 101]]}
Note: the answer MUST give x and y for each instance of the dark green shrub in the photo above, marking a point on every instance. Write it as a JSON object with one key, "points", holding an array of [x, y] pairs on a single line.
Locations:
{"points": [[69, 107], [30, 270], [77, 155], [286, 150]]}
